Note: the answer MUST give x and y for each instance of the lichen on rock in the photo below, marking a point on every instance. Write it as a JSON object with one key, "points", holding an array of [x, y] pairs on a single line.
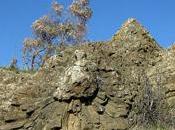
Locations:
{"points": [[77, 80]]}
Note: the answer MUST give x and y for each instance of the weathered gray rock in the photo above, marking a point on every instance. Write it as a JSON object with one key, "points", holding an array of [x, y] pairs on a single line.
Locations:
{"points": [[12, 126], [77, 80]]}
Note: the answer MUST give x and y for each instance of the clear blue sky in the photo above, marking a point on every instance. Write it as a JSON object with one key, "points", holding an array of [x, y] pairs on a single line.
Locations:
{"points": [[16, 17]]}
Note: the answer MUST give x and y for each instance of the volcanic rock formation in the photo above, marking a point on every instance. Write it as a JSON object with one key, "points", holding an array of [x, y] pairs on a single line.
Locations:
{"points": [[89, 87]]}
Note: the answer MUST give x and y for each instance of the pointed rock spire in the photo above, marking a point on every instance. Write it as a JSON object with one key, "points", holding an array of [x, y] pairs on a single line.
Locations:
{"points": [[130, 21], [131, 28], [133, 33]]}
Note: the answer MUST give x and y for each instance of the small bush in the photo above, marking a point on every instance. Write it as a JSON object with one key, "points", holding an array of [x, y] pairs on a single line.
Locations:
{"points": [[151, 108]]}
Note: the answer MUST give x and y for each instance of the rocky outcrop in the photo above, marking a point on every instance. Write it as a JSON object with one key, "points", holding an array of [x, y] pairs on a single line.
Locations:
{"points": [[88, 87], [78, 80]]}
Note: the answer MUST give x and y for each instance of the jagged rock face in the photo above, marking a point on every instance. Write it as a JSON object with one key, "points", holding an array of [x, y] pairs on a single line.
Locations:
{"points": [[78, 80], [87, 87]]}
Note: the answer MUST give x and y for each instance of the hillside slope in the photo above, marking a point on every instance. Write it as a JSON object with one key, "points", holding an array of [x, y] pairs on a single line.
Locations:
{"points": [[90, 87]]}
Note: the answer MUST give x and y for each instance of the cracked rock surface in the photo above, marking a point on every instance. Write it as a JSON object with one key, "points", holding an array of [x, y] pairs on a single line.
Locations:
{"points": [[88, 87]]}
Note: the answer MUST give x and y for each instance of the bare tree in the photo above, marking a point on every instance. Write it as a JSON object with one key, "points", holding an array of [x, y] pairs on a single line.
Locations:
{"points": [[50, 32], [81, 10]]}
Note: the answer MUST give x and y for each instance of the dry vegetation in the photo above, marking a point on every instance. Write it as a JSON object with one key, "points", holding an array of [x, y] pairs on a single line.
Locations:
{"points": [[55, 30]]}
